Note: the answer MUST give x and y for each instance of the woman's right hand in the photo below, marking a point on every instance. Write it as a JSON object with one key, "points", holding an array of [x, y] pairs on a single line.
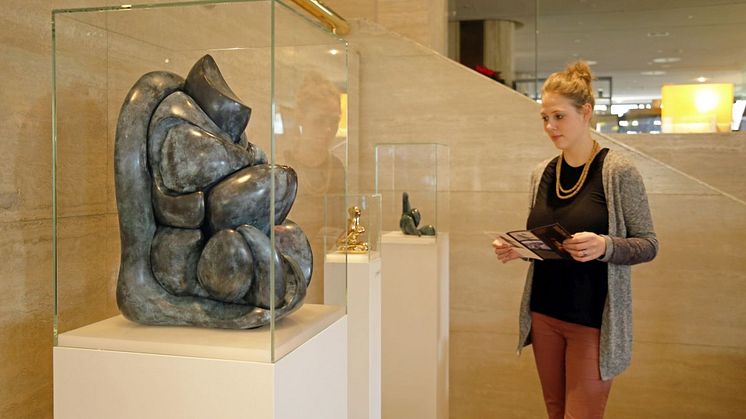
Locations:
{"points": [[505, 252]]}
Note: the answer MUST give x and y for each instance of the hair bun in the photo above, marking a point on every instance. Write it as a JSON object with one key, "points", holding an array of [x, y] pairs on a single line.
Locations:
{"points": [[574, 83], [581, 70]]}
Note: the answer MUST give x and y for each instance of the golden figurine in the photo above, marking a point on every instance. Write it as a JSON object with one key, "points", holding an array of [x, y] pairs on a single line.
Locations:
{"points": [[349, 241]]}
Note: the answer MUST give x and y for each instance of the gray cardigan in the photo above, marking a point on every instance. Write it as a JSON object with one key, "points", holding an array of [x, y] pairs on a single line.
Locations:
{"points": [[631, 240]]}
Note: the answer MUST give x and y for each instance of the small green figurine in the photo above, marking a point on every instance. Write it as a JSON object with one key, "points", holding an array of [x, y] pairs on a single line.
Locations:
{"points": [[410, 219]]}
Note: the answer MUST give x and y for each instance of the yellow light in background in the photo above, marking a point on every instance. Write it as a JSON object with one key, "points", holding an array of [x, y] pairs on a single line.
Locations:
{"points": [[696, 107]]}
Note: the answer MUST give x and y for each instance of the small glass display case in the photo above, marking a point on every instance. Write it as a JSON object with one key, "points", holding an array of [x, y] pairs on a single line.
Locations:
{"points": [[413, 181], [150, 168]]}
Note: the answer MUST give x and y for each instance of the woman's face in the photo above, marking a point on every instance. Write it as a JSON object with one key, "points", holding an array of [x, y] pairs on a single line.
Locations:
{"points": [[319, 122], [565, 124]]}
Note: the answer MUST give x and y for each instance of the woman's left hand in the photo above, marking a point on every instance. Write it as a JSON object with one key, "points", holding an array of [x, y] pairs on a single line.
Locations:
{"points": [[585, 246]]}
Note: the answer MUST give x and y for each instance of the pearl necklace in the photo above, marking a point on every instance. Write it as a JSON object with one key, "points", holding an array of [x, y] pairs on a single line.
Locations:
{"points": [[563, 193]]}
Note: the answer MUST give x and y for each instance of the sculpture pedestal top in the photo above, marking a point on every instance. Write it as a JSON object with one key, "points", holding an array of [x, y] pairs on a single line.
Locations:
{"points": [[120, 334]]}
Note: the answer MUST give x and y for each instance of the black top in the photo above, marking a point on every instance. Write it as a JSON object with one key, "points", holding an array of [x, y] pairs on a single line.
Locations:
{"points": [[568, 290]]}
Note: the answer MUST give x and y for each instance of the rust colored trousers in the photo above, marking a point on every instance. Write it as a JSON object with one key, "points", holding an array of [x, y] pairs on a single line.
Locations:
{"points": [[566, 357]]}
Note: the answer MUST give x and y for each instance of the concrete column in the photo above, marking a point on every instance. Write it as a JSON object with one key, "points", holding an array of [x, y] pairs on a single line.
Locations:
{"points": [[498, 47], [454, 40]]}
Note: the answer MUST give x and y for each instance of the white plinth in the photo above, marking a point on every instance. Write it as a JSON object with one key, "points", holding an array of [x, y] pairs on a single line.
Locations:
{"points": [[95, 381], [414, 326], [357, 279]]}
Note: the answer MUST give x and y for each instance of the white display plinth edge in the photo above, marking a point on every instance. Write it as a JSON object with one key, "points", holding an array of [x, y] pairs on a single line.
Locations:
{"points": [[356, 279], [309, 381], [120, 334], [415, 338]]}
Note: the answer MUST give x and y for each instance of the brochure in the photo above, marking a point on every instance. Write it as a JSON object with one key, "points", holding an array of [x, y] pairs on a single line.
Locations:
{"points": [[540, 243]]}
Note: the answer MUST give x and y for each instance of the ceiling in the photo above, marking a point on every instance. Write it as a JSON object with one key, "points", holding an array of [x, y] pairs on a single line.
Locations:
{"points": [[641, 44]]}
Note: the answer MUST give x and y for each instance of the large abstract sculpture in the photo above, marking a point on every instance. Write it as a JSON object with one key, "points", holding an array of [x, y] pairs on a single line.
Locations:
{"points": [[410, 220], [194, 200]]}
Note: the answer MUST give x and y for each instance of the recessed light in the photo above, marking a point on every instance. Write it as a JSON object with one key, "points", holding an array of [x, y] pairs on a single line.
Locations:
{"points": [[653, 73], [333, 51], [661, 34], [664, 60], [701, 79]]}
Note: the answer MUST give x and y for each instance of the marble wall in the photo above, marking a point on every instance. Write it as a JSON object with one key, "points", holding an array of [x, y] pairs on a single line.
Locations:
{"points": [[689, 316], [710, 158], [25, 200], [98, 70], [690, 348], [423, 21]]}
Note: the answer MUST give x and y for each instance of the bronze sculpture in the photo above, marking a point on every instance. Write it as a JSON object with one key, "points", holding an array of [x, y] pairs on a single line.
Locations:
{"points": [[195, 218]]}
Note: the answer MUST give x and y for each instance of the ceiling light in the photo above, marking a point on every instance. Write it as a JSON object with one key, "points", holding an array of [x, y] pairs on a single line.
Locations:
{"points": [[333, 51], [661, 34], [664, 60], [701, 79], [653, 73], [591, 62]]}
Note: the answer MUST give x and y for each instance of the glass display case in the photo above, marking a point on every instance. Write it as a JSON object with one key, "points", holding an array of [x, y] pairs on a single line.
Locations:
{"points": [[132, 149], [421, 170]]}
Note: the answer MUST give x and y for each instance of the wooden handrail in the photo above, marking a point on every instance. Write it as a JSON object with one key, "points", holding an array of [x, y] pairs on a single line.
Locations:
{"points": [[336, 23]]}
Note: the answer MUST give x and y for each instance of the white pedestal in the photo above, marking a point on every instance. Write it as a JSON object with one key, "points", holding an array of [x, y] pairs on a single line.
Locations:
{"points": [[117, 369], [415, 326], [362, 291]]}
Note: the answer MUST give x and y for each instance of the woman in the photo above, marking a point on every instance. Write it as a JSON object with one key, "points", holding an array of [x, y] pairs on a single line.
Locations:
{"points": [[577, 313]]}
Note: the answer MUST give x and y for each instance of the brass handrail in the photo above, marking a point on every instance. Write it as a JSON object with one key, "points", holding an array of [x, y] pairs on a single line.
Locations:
{"points": [[336, 23]]}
